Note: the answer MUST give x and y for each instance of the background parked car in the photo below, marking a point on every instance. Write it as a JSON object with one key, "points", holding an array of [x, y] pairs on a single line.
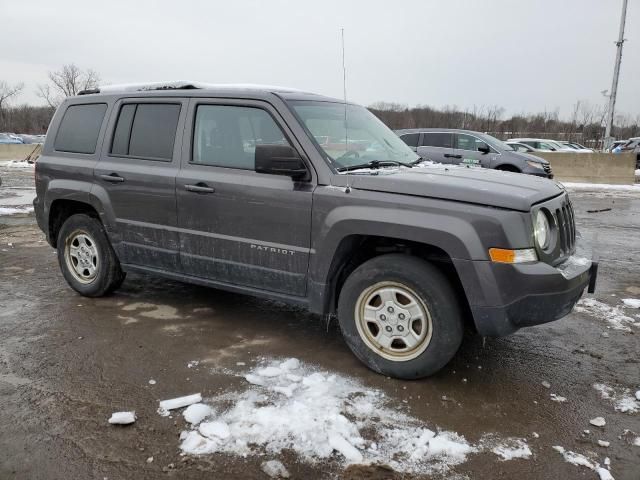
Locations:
{"points": [[6, 138], [575, 146], [465, 147], [633, 145], [524, 148], [542, 144]]}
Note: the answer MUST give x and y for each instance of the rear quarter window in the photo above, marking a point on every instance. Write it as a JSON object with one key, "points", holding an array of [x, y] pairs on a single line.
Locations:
{"points": [[80, 127]]}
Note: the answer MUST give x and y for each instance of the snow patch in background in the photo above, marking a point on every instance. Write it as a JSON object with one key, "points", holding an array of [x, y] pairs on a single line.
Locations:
{"points": [[17, 164], [287, 405], [622, 398], [614, 316], [15, 210], [601, 186]]}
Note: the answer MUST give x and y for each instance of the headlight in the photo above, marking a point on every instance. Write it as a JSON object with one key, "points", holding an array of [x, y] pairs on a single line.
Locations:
{"points": [[542, 231], [535, 164]]}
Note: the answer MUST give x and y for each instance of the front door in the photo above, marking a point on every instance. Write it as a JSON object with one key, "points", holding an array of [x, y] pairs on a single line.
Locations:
{"points": [[467, 153], [239, 227], [136, 178], [437, 147]]}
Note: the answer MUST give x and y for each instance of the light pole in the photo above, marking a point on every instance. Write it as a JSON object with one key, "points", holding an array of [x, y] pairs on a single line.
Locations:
{"points": [[616, 74]]}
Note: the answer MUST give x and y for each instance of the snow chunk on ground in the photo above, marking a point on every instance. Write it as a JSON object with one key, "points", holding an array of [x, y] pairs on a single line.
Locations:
{"points": [[575, 458], [604, 474], [317, 413], [512, 448], [348, 451], [275, 469], [197, 412], [621, 398], [174, 403], [598, 422], [631, 302], [122, 418], [558, 398], [614, 316]]}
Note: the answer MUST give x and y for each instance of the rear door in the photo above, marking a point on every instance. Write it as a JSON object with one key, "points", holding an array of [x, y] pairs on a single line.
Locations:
{"points": [[239, 227], [467, 153], [436, 146], [136, 177], [411, 139]]}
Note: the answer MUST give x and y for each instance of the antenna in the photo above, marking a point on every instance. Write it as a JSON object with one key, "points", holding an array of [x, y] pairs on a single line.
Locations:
{"points": [[344, 91]]}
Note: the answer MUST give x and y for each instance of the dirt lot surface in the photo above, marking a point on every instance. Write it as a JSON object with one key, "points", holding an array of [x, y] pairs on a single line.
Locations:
{"points": [[68, 362]]}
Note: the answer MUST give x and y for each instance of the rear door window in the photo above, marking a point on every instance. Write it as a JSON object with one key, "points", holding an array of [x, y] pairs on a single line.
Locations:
{"points": [[146, 130], [80, 127], [437, 139], [411, 139]]}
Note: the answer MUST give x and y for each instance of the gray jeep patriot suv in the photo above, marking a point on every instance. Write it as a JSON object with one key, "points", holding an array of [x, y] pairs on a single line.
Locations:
{"points": [[307, 200]]}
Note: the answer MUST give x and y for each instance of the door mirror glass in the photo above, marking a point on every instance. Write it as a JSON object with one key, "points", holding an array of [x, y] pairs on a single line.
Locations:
{"points": [[483, 147], [280, 160]]}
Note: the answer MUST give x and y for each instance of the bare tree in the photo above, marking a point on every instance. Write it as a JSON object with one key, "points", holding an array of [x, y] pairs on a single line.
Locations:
{"points": [[67, 82], [7, 91]]}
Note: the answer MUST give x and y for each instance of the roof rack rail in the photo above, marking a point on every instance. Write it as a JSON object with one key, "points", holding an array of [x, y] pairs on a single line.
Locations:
{"points": [[89, 91]]}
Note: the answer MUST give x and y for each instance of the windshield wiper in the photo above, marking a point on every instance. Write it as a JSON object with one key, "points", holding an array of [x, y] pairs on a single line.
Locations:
{"points": [[373, 164]]}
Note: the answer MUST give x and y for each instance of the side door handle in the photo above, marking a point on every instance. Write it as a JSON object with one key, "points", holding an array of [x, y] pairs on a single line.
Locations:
{"points": [[448, 155], [200, 187], [112, 177]]}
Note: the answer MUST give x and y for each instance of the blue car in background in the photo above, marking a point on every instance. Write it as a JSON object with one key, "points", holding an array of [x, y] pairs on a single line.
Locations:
{"points": [[5, 138]]}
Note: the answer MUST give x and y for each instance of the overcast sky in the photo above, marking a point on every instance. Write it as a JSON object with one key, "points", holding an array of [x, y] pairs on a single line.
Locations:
{"points": [[523, 55]]}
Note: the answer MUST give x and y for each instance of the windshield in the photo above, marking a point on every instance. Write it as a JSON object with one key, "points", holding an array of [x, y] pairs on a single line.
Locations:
{"points": [[365, 140], [498, 144]]}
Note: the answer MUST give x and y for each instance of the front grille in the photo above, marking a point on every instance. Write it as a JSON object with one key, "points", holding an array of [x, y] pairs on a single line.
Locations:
{"points": [[566, 228]]}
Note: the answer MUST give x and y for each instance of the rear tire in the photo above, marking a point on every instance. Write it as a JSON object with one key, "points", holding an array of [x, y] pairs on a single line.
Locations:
{"points": [[86, 258], [400, 316]]}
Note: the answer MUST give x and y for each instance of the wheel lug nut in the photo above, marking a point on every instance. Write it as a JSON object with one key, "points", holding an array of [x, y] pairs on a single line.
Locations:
{"points": [[390, 309], [388, 329], [383, 317], [400, 328], [401, 316]]}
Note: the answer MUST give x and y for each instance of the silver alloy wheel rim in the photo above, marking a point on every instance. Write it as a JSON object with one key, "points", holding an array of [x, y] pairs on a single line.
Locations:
{"points": [[393, 321], [81, 256]]}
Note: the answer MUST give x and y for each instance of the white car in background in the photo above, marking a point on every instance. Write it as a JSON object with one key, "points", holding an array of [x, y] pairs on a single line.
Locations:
{"points": [[524, 148], [575, 146], [541, 144]]}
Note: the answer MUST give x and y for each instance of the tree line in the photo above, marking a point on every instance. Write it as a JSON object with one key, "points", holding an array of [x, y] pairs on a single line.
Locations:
{"points": [[585, 124]]}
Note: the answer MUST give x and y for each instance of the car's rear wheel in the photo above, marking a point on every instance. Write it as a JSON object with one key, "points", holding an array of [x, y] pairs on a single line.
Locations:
{"points": [[400, 316], [87, 260]]}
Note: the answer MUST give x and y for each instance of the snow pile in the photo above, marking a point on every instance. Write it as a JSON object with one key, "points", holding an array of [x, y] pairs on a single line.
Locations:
{"points": [[622, 398], [15, 210], [612, 315], [580, 460], [601, 186], [320, 415], [631, 302], [18, 164]]}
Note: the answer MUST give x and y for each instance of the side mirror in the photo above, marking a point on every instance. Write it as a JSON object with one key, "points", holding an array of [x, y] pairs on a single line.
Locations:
{"points": [[280, 160], [484, 148]]}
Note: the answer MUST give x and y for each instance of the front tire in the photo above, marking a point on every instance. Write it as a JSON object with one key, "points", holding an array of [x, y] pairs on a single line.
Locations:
{"points": [[400, 316], [86, 258]]}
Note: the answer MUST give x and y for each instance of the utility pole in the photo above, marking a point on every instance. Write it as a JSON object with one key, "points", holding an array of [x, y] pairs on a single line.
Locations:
{"points": [[608, 140]]}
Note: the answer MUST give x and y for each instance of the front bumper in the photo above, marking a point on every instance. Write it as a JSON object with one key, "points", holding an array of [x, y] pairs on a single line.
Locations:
{"points": [[511, 297]]}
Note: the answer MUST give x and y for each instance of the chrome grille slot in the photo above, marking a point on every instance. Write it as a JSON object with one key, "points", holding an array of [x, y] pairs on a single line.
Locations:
{"points": [[566, 228]]}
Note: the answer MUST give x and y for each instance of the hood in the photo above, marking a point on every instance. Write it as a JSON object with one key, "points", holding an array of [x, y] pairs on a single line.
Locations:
{"points": [[528, 156], [482, 186]]}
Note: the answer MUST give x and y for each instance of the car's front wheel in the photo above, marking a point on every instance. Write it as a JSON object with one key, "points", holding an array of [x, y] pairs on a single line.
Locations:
{"points": [[87, 260], [400, 316]]}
